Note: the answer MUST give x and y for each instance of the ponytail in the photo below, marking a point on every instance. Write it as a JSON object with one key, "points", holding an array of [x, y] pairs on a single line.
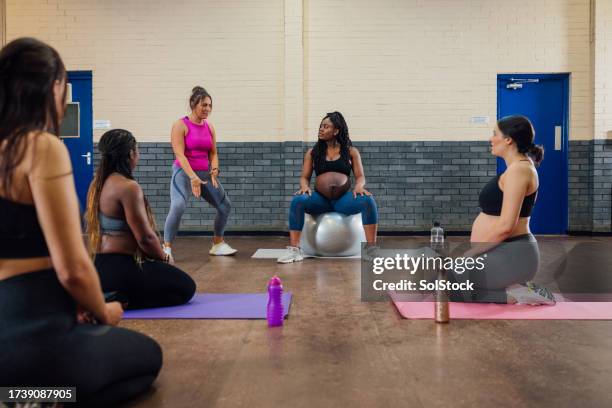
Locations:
{"points": [[536, 152]]}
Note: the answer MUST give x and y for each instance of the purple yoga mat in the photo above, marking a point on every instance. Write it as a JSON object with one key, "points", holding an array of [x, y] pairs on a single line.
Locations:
{"points": [[214, 306]]}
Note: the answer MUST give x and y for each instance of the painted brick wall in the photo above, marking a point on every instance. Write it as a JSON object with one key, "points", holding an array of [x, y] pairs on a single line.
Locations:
{"points": [[413, 182], [580, 185], [146, 56], [602, 185], [419, 69], [400, 70], [603, 68]]}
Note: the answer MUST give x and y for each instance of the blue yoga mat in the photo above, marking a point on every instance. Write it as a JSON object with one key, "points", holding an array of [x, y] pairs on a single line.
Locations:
{"points": [[214, 306]]}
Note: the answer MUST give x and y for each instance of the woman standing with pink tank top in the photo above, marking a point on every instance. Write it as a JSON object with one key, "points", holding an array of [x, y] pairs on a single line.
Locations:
{"points": [[195, 171]]}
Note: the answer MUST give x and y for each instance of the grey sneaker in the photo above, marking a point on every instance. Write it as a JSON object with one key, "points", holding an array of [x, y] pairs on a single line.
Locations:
{"points": [[532, 294], [292, 254], [370, 252]]}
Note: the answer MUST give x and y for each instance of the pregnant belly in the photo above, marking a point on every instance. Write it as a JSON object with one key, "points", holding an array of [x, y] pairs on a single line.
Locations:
{"points": [[332, 185], [483, 224]]}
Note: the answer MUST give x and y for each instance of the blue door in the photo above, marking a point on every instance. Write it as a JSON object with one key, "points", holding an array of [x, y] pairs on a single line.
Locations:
{"points": [[77, 131], [543, 98]]}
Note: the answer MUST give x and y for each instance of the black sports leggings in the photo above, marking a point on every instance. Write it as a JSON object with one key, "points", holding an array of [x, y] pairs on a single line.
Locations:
{"points": [[150, 284], [42, 344]]}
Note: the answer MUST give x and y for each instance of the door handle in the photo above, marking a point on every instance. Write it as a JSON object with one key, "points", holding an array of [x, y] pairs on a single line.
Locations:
{"points": [[88, 157], [558, 138]]}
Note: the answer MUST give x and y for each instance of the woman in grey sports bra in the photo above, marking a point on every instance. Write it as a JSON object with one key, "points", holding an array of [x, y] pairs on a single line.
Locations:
{"points": [[112, 226], [122, 233]]}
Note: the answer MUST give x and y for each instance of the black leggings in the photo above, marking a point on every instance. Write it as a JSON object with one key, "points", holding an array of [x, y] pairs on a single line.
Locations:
{"points": [[150, 284], [42, 344], [514, 261]]}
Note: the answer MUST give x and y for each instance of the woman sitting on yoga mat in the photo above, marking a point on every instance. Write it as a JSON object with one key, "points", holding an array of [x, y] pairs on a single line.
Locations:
{"points": [[332, 158], [48, 284], [501, 230], [122, 234]]}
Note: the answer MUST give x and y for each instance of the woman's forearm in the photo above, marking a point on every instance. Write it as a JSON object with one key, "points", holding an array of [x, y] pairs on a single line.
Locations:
{"points": [[213, 158], [304, 183], [151, 247], [360, 182], [81, 281], [185, 165]]}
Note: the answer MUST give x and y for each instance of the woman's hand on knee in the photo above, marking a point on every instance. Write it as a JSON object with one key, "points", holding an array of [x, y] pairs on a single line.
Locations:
{"points": [[196, 186], [360, 191], [303, 190], [215, 183], [114, 313], [85, 317]]}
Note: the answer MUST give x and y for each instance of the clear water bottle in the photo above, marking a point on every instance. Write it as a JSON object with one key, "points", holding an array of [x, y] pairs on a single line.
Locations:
{"points": [[441, 305], [437, 233], [275, 302]]}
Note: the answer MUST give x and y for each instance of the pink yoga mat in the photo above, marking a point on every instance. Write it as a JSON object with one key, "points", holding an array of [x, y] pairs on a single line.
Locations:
{"points": [[491, 311]]}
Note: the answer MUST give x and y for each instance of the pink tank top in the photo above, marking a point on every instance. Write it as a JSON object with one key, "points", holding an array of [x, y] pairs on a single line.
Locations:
{"points": [[198, 142]]}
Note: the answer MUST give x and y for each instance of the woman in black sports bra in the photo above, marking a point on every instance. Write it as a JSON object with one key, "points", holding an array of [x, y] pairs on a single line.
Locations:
{"points": [[501, 230], [122, 232], [332, 158], [48, 284]]}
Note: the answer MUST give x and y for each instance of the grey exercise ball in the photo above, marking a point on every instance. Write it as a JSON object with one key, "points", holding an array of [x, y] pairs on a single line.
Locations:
{"points": [[332, 234]]}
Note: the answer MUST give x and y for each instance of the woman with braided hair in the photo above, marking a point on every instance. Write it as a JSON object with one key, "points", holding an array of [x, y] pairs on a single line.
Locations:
{"points": [[122, 233], [332, 158]]}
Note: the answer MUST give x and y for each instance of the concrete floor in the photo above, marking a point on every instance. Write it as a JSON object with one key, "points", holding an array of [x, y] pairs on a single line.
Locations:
{"points": [[335, 351]]}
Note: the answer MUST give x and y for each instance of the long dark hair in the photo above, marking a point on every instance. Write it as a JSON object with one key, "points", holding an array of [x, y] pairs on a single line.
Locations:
{"points": [[520, 129], [115, 147], [319, 151], [28, 71]]}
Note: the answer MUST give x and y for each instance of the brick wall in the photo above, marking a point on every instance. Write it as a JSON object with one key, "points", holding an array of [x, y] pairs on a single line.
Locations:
{"points": [[413, 183], [420, 69], [602, 67], [2, 22], [401, 70], [146, 56], [580, 185], [406, 73], [602, 185]]}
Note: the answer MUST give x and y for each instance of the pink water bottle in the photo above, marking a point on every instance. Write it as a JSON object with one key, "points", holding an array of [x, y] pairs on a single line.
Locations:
{"points": [[275, 302]]}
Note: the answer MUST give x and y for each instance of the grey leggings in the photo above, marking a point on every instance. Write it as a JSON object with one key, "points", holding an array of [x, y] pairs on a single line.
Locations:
{"points": [[514, 261], [180, 194]]}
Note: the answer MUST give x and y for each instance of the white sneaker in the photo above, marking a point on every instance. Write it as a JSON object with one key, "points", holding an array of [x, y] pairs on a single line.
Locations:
{"points": [[222, 249], [168, 250], [531, 294], [292, 254]]}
